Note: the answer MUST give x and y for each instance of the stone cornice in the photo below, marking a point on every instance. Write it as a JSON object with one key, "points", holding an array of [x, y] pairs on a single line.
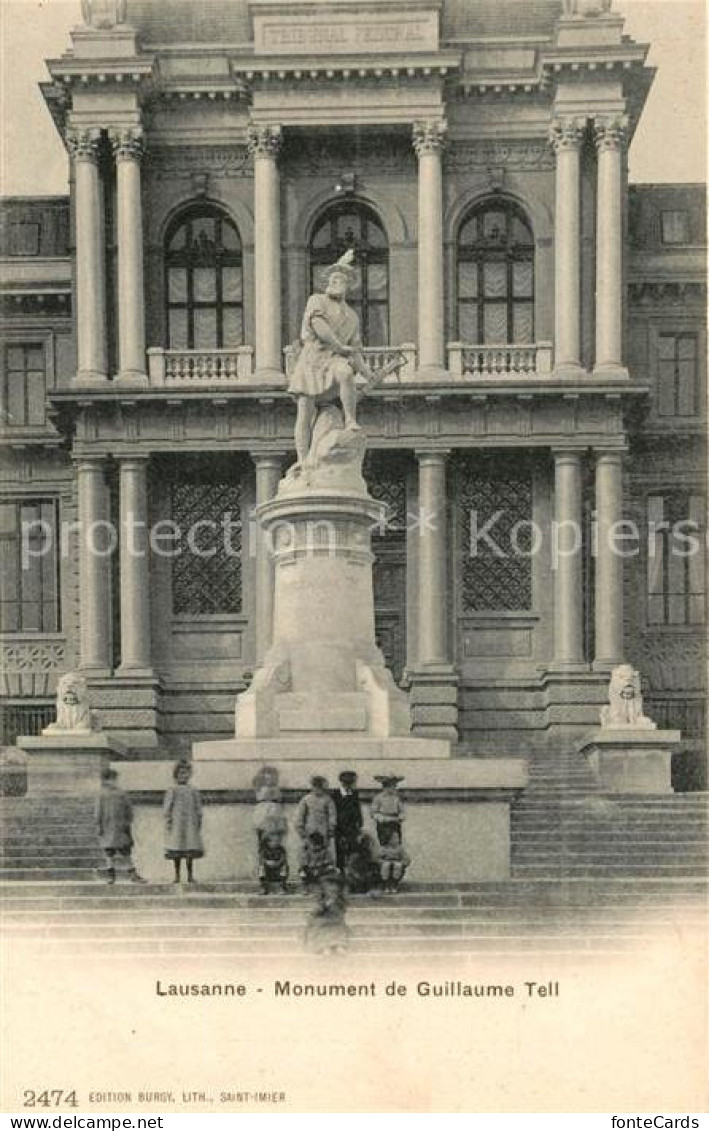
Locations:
{"points": [[200, 91], [603, 59], [319, 68], [73, 72]]}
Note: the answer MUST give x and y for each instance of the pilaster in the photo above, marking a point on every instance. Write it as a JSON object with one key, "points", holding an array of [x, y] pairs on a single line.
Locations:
{"points": [[428, 141], [265, 145], [128, 149], [92, 367], [566, 138], [610, 134]]}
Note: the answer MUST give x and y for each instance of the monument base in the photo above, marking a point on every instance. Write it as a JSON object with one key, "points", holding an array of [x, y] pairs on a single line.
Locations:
{"points": [[68, 763], [351, 748], [632, 760], [457, 826]]}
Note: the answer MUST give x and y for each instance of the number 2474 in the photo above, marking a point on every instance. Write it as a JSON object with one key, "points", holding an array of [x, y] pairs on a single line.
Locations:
{"points": [[49, 1098]]}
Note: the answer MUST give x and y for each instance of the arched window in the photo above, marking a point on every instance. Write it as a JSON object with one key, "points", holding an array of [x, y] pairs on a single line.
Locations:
{"points": [[496, 276], [203, 282], [348, 224]]}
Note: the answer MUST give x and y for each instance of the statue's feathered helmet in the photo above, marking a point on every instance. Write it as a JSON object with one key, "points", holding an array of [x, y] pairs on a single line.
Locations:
{"points": [[344, 266]]}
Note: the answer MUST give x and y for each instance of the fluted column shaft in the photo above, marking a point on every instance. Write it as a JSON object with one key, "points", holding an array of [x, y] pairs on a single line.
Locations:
{"points": [[90, 257], [567, 561], [609, 561], [265, 143], [610, 138], [428, 142], [95, 547], [135, 566], [268, 474], [433, 559], [566, 139], [128, 148]]}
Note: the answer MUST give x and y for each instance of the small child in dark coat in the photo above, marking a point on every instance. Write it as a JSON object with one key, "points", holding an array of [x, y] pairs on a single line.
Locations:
{"points": [[114, 821], [317, 860], [361, 868], [273, 863]]}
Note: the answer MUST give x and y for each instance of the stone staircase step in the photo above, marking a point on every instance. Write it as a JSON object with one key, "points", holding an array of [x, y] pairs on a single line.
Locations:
{"points": [[267, 948]]}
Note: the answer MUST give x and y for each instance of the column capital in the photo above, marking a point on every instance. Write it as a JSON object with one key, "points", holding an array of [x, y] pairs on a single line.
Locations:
{"points": [[128, 144], [132, 461], [83, 145], [265, 140], [90, 465], [610, 455], [267, 459], [610, 131], [429, 136], [566, 133], [567, 455], [432, 455]]}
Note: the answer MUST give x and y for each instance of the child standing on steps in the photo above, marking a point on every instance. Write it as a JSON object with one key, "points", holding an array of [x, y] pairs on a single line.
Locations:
{"points": [[393, 861], [387, 807], [114, 820], [182, 811]]}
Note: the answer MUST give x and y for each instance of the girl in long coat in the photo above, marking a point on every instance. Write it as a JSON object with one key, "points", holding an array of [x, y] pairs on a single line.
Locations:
{"points": [[182, 811]]}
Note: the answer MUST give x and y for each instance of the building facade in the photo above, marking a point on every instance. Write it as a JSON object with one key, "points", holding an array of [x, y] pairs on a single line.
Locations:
{"points": [[548, 317]]}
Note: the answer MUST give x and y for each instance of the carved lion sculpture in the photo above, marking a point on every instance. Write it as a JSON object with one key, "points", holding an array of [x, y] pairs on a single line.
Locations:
{"points": [[587, 8], [103, 14], [73, 711], [625, 701]]}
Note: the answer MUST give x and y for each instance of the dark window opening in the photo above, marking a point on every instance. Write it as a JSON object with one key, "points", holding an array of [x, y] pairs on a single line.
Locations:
{"points": [[495, 277], [204, 282]]}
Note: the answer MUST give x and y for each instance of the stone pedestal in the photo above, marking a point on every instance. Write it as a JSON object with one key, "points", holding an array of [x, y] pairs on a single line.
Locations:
{"points": [[68, 762], [457, 826], [632, 760], [323, 681], [323, 699]]}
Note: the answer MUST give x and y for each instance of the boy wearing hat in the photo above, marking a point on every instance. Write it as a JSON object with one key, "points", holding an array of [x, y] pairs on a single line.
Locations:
{"points": [[387, 807], [316, 813], [349, 817], [114, 820]]}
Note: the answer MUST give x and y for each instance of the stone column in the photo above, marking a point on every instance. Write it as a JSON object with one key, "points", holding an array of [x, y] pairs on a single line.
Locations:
{"points": [[268, 473], [609, 564], [566, 139], [136, 657], [610, 139], [428, 142], [433, 559], [567, 562], [128, 148], [90, 256], [95, 546], [265, 143]]}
